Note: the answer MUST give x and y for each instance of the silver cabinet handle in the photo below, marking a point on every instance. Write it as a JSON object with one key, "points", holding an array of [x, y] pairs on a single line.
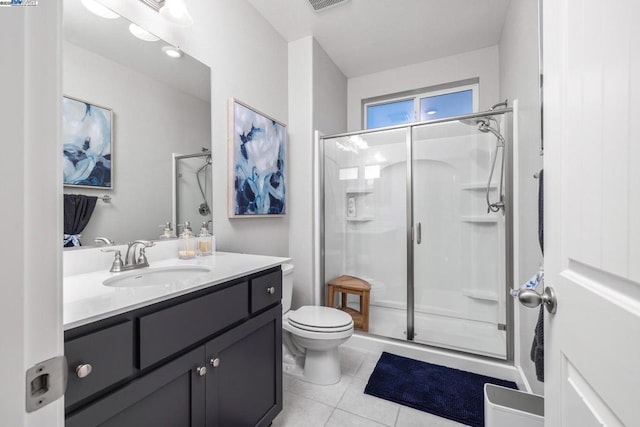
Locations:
{"points": [[271, 290], [202, 371], [530, 298], [215, 362], [419, 233], [83, 370]]}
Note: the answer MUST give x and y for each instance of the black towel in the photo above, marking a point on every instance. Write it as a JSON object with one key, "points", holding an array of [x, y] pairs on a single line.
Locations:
{"points": [[537, 347], [77, 213], [541, 210]]}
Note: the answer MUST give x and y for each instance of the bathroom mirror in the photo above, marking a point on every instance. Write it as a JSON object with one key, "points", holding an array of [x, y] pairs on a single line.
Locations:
{"points": [[161, 109]]}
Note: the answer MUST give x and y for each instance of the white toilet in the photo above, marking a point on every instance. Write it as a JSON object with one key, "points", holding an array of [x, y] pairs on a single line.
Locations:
{"points": [[311, 336]]}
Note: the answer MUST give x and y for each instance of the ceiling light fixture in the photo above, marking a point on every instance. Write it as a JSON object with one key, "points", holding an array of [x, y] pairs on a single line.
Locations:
{"points": [[175, 11], [99, 9], [142, 34], [172, 52], [432, 112]]}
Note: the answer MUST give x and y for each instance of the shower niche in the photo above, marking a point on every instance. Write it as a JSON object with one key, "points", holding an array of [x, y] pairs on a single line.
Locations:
{"points": [[360, 203], [406, 209]]}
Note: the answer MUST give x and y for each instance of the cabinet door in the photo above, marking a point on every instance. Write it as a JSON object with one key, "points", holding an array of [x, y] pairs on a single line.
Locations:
{"points": [[244, 384], [172, 395]]}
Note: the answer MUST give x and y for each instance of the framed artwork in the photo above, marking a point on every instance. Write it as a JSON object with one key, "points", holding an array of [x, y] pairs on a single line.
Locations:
{"points": [[87, 144], [257, 163]]}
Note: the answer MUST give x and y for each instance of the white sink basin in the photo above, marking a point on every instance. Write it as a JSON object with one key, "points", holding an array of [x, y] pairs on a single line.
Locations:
{"points": [[157, 276]]}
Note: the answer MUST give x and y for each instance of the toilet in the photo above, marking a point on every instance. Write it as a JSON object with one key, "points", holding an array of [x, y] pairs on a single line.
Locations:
{"points": [[311, 336]]}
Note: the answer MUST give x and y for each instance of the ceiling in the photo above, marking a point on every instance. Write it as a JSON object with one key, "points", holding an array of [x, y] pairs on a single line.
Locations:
{"points": [[367, 36], [111, 39]]}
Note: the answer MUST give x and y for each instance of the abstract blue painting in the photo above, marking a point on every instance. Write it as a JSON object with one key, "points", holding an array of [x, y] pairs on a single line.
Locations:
{"points": [[257, 163], [86, 150]]}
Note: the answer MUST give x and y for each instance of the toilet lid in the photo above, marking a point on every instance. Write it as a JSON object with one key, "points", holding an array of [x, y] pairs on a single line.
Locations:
{"points": [[320, 319]]}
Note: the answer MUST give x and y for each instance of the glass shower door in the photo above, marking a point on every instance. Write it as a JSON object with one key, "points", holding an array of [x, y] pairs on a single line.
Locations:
{"points": [[365, 221], [458, 247]]}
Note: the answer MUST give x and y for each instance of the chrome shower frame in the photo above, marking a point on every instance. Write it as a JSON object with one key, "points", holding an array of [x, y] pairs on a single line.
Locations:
{"points": [[206, 153], [507, 211]]}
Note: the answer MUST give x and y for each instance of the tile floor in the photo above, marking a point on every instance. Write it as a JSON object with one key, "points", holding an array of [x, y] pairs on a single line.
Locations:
{"points": [[345, 404]]}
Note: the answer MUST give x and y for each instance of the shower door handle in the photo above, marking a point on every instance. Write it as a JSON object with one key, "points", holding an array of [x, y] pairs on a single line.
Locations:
{"points": [[419, 233]]}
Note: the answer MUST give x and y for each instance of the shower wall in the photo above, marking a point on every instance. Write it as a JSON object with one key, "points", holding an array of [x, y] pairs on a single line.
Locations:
{"points": [[458, 267]]}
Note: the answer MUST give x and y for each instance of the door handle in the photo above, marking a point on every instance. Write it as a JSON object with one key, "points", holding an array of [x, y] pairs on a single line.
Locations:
{"points": [[419, 233], [530, 298]]}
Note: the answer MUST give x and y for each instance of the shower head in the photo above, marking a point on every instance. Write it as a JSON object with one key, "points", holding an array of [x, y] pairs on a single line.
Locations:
{"points": [[480, 122], [484, 125]]}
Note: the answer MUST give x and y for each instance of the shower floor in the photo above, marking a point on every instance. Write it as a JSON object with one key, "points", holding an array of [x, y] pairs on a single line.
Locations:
{"points": [[440, 331]]}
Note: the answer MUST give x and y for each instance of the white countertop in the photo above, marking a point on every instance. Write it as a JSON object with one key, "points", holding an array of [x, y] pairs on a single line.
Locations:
{"points": [[87, 300]]}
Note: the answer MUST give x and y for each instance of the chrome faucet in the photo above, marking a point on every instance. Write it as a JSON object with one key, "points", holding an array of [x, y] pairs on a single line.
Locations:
{"points": [[130, 259], [131, 262], [104, 240]]}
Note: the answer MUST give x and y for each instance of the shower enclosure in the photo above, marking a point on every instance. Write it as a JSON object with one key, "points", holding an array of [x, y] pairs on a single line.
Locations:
{"points": [[423, 213], [192, 193]]}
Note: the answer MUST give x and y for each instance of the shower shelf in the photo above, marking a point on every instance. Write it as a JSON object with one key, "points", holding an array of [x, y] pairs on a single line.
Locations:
{"points": [[477, 186], [359, 218], [359, 190], [480, 294], [479, 219]]}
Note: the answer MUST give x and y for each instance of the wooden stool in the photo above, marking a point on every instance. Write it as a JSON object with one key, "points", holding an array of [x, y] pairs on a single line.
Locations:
{"points": [[355, 286]]}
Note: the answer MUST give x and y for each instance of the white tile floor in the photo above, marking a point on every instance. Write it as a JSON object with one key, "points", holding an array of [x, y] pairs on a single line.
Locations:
{"points": [[345, 404]]}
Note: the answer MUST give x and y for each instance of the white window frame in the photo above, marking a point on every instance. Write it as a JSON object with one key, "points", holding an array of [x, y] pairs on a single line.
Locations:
{"points": [[420, 94]]}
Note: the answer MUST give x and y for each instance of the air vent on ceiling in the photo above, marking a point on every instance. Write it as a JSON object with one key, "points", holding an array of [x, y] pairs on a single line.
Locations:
{"points": [[319, 5], [154, 4]]}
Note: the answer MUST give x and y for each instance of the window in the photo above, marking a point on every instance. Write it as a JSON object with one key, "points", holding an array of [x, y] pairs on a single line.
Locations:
{"points": [[425, 105]]}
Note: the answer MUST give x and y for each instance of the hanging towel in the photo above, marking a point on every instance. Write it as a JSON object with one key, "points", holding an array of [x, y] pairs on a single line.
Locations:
{"points": [[77, 213], [541, 210], [537, 348]]}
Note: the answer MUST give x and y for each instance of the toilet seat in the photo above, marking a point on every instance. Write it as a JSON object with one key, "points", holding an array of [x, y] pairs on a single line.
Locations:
{"points": [[320, 319]]}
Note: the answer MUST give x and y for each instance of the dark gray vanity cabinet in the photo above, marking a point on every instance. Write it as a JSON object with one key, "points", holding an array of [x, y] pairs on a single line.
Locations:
{"points": [[172, 395], [244, 384], [167, 373]]}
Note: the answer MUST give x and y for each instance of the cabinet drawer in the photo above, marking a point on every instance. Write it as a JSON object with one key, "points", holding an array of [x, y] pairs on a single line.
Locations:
{"points": [[110, 354], [170, 330], [266, 290]]}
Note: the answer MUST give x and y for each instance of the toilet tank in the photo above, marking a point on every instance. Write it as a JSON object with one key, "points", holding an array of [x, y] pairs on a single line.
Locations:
{"points": [[287, 286]]}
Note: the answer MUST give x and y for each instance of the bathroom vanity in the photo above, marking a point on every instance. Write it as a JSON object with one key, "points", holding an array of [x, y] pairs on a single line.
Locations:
{"points": [[204, 352]]}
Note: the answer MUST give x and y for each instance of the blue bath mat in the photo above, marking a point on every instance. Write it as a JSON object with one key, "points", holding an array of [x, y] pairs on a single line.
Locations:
{"points": [[445, 392]]}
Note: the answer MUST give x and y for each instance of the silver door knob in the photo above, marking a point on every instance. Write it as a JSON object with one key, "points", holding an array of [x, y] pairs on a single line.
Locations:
{"points": [[530, 298], [271, 290], [215, 362], [202, 371], [83, 370]]}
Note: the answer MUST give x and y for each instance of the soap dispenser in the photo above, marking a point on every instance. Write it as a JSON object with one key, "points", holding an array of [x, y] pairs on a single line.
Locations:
{"points": [[167, 233], [187, 242], [205, 240]]}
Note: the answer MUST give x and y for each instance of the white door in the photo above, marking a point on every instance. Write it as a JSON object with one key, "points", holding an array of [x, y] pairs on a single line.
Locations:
{"points": [[592, 219], [31, 205]]}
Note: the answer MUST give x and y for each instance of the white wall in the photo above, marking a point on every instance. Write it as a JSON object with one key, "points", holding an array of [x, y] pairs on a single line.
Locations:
{"points": [[482, 64], [301, 176], [519, 80], [317, 101], [248, 61], [329, 94], [31, 193], [143, 139]]}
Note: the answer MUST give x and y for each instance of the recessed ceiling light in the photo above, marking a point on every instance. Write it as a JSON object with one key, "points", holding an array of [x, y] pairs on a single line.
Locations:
{"points": [[99, 9], [175, 11], [172, 52], [432, 112], [142, 34]]}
